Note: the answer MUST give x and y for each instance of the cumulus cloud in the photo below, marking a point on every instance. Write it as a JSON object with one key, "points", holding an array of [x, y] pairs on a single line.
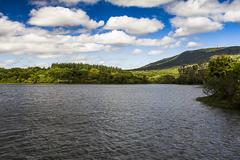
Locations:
{"points": [[210, 12], [137, 51], [135, 26], [206, 8], [154, 52], [49, 44], [47, 56], [19, 39], [60, 16], [115, 37], [231, 16], [165, 41], [229, 12], [139, 3], [193, 25], [193, 44], [192, 8], [175, 45], [8, 27]]}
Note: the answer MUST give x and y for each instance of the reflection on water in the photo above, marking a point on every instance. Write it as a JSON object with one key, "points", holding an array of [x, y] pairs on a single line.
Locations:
{"points": [[114, 122]]}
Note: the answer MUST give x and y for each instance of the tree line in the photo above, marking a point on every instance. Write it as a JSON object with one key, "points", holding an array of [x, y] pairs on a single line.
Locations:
{"points": [[70, 73], [220, 77], [73, 73]]}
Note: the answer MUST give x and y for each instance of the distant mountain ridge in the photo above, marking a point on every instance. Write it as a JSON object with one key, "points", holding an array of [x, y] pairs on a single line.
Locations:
{"points": [[191, 57]]}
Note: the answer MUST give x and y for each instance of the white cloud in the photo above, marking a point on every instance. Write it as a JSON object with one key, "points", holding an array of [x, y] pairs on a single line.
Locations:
{"points": [[139, 3], [137, 51], [192, 8], [154, 52], [8, 27], [227, 11], [193, 25], [192, 15], [175, 45], [230, 13], [232, 16], [60, 16], [48, 56], [193, 44], [134, 25], [165, 41], [115, 37], [121, 38], [18, 39], [49, 45]]}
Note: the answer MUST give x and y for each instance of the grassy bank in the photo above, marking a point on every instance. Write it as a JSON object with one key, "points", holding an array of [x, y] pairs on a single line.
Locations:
{"points": [[164, 76], [216, 102], [159, 73]]}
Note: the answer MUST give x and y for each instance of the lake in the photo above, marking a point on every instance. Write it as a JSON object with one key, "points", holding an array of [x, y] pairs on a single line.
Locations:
{"points": [[117, 122]]}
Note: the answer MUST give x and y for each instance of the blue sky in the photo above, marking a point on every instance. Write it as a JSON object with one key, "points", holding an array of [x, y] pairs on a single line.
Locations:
{"points": [[123, 33]]}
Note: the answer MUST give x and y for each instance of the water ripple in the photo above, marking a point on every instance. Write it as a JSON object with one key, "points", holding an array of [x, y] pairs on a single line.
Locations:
{"points": [[117, 122]]}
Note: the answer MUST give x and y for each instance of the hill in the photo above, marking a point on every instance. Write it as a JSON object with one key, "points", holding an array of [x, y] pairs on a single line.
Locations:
{"points": [[191, 57]]}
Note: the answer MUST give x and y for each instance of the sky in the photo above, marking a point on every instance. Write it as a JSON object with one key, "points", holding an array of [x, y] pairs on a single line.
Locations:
{"points": [[122, 33]]}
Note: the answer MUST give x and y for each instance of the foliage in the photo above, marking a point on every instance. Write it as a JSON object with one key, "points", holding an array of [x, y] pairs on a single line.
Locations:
{"points": [[223, 80], [70, 73], [192, 74], [220, 78], [159, 76], [85, 74]]}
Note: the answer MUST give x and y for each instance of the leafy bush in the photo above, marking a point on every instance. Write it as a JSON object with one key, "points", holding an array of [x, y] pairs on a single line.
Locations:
{"points": [[192, 74], [223, 80]]}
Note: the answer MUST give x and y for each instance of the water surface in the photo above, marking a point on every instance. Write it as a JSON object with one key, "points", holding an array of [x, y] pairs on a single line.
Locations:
{"points": [[117, 122]]}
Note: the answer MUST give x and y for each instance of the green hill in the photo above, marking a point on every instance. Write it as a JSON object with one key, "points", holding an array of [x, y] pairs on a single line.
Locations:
{"points": [[191, 57]]}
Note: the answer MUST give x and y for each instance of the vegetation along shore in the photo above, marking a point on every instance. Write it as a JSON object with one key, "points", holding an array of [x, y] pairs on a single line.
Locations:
{"points": [[219, 76]]}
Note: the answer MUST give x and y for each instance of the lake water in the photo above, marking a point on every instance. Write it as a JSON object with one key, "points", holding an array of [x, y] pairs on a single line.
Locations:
{"points": [[115, 122]]}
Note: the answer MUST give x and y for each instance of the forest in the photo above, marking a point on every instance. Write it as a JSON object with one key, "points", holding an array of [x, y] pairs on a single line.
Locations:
{"points": [[73, 73], [70, 73]]}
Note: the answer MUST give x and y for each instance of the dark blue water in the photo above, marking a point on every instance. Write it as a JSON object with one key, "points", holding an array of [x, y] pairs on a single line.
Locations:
{"points": [[115, 122]]}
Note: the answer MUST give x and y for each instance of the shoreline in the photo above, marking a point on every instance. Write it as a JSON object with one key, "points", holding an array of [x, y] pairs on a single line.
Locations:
{"points": [[97, 84], [217, 103]]}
